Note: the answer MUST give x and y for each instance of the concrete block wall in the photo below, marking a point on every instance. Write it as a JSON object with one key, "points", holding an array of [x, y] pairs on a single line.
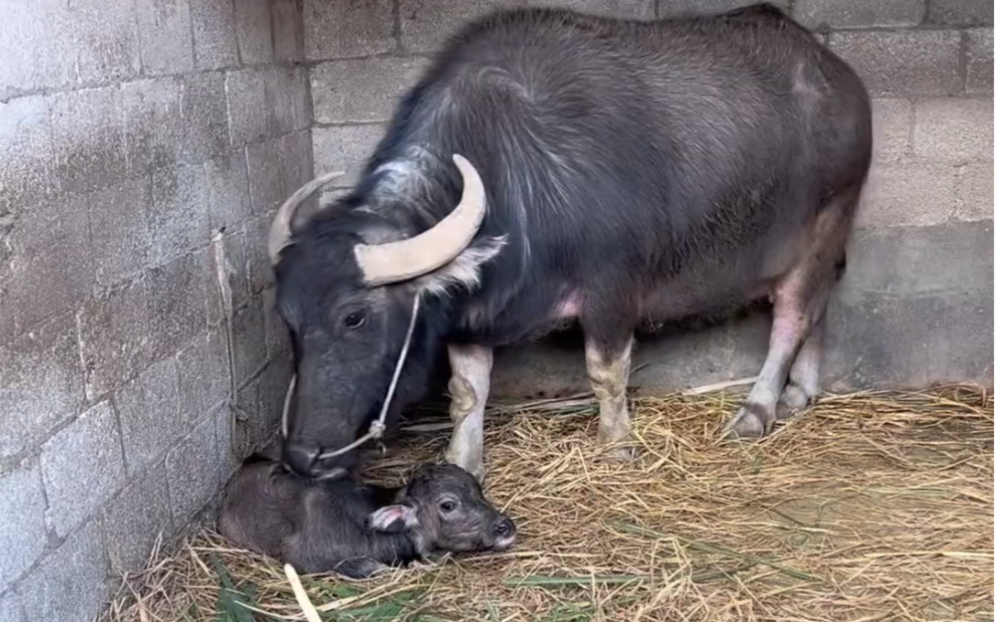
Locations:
{"points": [[916, 305], [131, 133]]}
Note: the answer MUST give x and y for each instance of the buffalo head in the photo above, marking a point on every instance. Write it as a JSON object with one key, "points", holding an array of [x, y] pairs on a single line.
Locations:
{"points": [[346, 281]]}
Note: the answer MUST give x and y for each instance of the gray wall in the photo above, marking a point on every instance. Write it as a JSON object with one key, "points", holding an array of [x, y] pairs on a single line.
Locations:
{"points": [[133, 130], [130, 132], [916, 304]]}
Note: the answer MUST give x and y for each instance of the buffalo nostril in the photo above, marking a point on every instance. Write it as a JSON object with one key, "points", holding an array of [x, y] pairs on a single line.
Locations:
{"points": [[504, 528], [300, 459]]}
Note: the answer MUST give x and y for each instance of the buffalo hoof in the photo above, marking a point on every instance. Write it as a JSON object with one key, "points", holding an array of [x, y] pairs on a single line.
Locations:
{"points": [[793, 401], [750, 423]]}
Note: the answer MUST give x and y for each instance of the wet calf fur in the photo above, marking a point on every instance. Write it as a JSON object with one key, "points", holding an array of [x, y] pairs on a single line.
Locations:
{"points": [[342, 526]]}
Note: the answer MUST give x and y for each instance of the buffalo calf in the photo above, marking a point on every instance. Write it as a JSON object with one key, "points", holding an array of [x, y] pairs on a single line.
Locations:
{"points": [[342, 526]]}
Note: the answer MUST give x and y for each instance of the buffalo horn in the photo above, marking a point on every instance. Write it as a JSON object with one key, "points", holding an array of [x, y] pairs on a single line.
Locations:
{"points": [[279, 232], [406, 259]]}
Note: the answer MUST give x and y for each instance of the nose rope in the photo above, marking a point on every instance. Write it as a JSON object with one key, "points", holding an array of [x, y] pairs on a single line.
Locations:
{"points": [[377, 427]]}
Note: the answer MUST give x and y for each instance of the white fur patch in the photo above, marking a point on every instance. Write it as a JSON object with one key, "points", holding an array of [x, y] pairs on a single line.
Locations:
{"points": [[464, 270], [384, 518]]}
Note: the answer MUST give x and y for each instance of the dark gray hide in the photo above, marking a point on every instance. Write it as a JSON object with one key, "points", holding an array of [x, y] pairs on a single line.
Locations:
{"points": [[633, 172], [342, 526]]}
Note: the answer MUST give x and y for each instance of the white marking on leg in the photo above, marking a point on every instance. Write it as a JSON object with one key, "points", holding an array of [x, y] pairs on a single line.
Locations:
{"points": [[609, 378], [469, 386]]}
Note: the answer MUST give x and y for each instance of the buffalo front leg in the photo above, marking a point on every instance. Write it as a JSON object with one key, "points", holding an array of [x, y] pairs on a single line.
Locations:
{"points": [[608, 371], [469, 386], [803, 380]]}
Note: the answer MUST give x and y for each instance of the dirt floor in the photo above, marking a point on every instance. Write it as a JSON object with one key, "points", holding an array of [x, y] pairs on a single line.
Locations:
{"points": [[866, 507]]}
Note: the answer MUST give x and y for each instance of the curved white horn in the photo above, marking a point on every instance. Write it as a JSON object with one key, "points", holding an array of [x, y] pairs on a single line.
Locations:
{"points": [[279, 231], [405, 259]]}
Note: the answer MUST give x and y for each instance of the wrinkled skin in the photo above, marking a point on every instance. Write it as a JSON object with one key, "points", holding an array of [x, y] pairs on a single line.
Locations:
{"points": [[338, 525]]}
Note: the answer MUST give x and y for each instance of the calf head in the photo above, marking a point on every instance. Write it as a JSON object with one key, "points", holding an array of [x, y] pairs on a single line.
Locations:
{"points": [[443, 508]]}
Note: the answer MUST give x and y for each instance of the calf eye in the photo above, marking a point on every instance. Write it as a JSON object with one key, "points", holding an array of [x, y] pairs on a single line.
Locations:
{"points": [[354, 320], [447, 506]]}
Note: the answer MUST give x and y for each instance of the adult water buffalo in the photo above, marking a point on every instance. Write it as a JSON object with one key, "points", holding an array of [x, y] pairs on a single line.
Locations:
{"points": [[551, 166]]}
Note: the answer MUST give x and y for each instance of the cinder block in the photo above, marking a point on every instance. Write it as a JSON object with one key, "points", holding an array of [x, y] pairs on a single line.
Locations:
{"points": [[179, 219], [177, 295], [629, 9], [205, 116], [203, 375], [237, 272], [249, 332], [119, 229], [49, 269], [22, 532], [265, 179], [115, 333], [105, 39], [979, 61], [859, 14], [11, 609], [974, 191], [82, 468], [248, 428], [88, 138], [42, 384], [32, 57], [213, 34], [906, 193], [960, 12], [148, 410], [253, 30], [904, 262], [132, 522], [248, 114], [288, 31], [888, 342], [953, 129], [892, 128], [226, 450], [426, 24], [296, 161], [903, 63], [229, 203], [277, 335], [26, 151], [166, 35], [193, 470], [362, 90], [348, 29], [286, 96], [344, 148], [666, 8], [68, 585], [154, 123], [260, 273]]}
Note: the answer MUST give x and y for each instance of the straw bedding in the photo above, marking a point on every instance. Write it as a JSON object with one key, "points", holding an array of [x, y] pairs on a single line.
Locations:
{"points": [[866, 507]]}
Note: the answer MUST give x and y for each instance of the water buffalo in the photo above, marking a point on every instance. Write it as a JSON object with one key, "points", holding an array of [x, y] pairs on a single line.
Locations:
{"points": [[339, 525], [554, 167]]}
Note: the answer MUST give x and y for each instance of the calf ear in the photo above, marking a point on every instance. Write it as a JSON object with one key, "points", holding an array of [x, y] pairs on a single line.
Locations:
{"points": [[393, 518], [464, 271]]}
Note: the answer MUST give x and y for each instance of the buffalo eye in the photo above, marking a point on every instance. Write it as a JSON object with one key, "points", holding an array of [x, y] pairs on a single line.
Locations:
{"points": [[447, 507], [354, 320]]}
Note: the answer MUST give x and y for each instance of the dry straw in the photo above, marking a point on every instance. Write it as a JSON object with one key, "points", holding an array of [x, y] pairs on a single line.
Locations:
{"points": [[875, 506]]}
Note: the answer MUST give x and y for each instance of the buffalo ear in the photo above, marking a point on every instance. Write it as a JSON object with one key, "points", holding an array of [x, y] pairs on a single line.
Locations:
{"points": [[393, 518], [464, 270]]}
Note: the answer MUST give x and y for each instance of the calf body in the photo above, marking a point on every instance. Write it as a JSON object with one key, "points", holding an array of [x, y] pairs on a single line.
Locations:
{"points": [[607, 172], [341, 526]]}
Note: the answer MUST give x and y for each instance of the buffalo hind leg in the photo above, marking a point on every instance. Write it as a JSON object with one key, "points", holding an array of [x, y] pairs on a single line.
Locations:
{"points": [[803, 380], [608, 371], [800, 300], [469, 387]]}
